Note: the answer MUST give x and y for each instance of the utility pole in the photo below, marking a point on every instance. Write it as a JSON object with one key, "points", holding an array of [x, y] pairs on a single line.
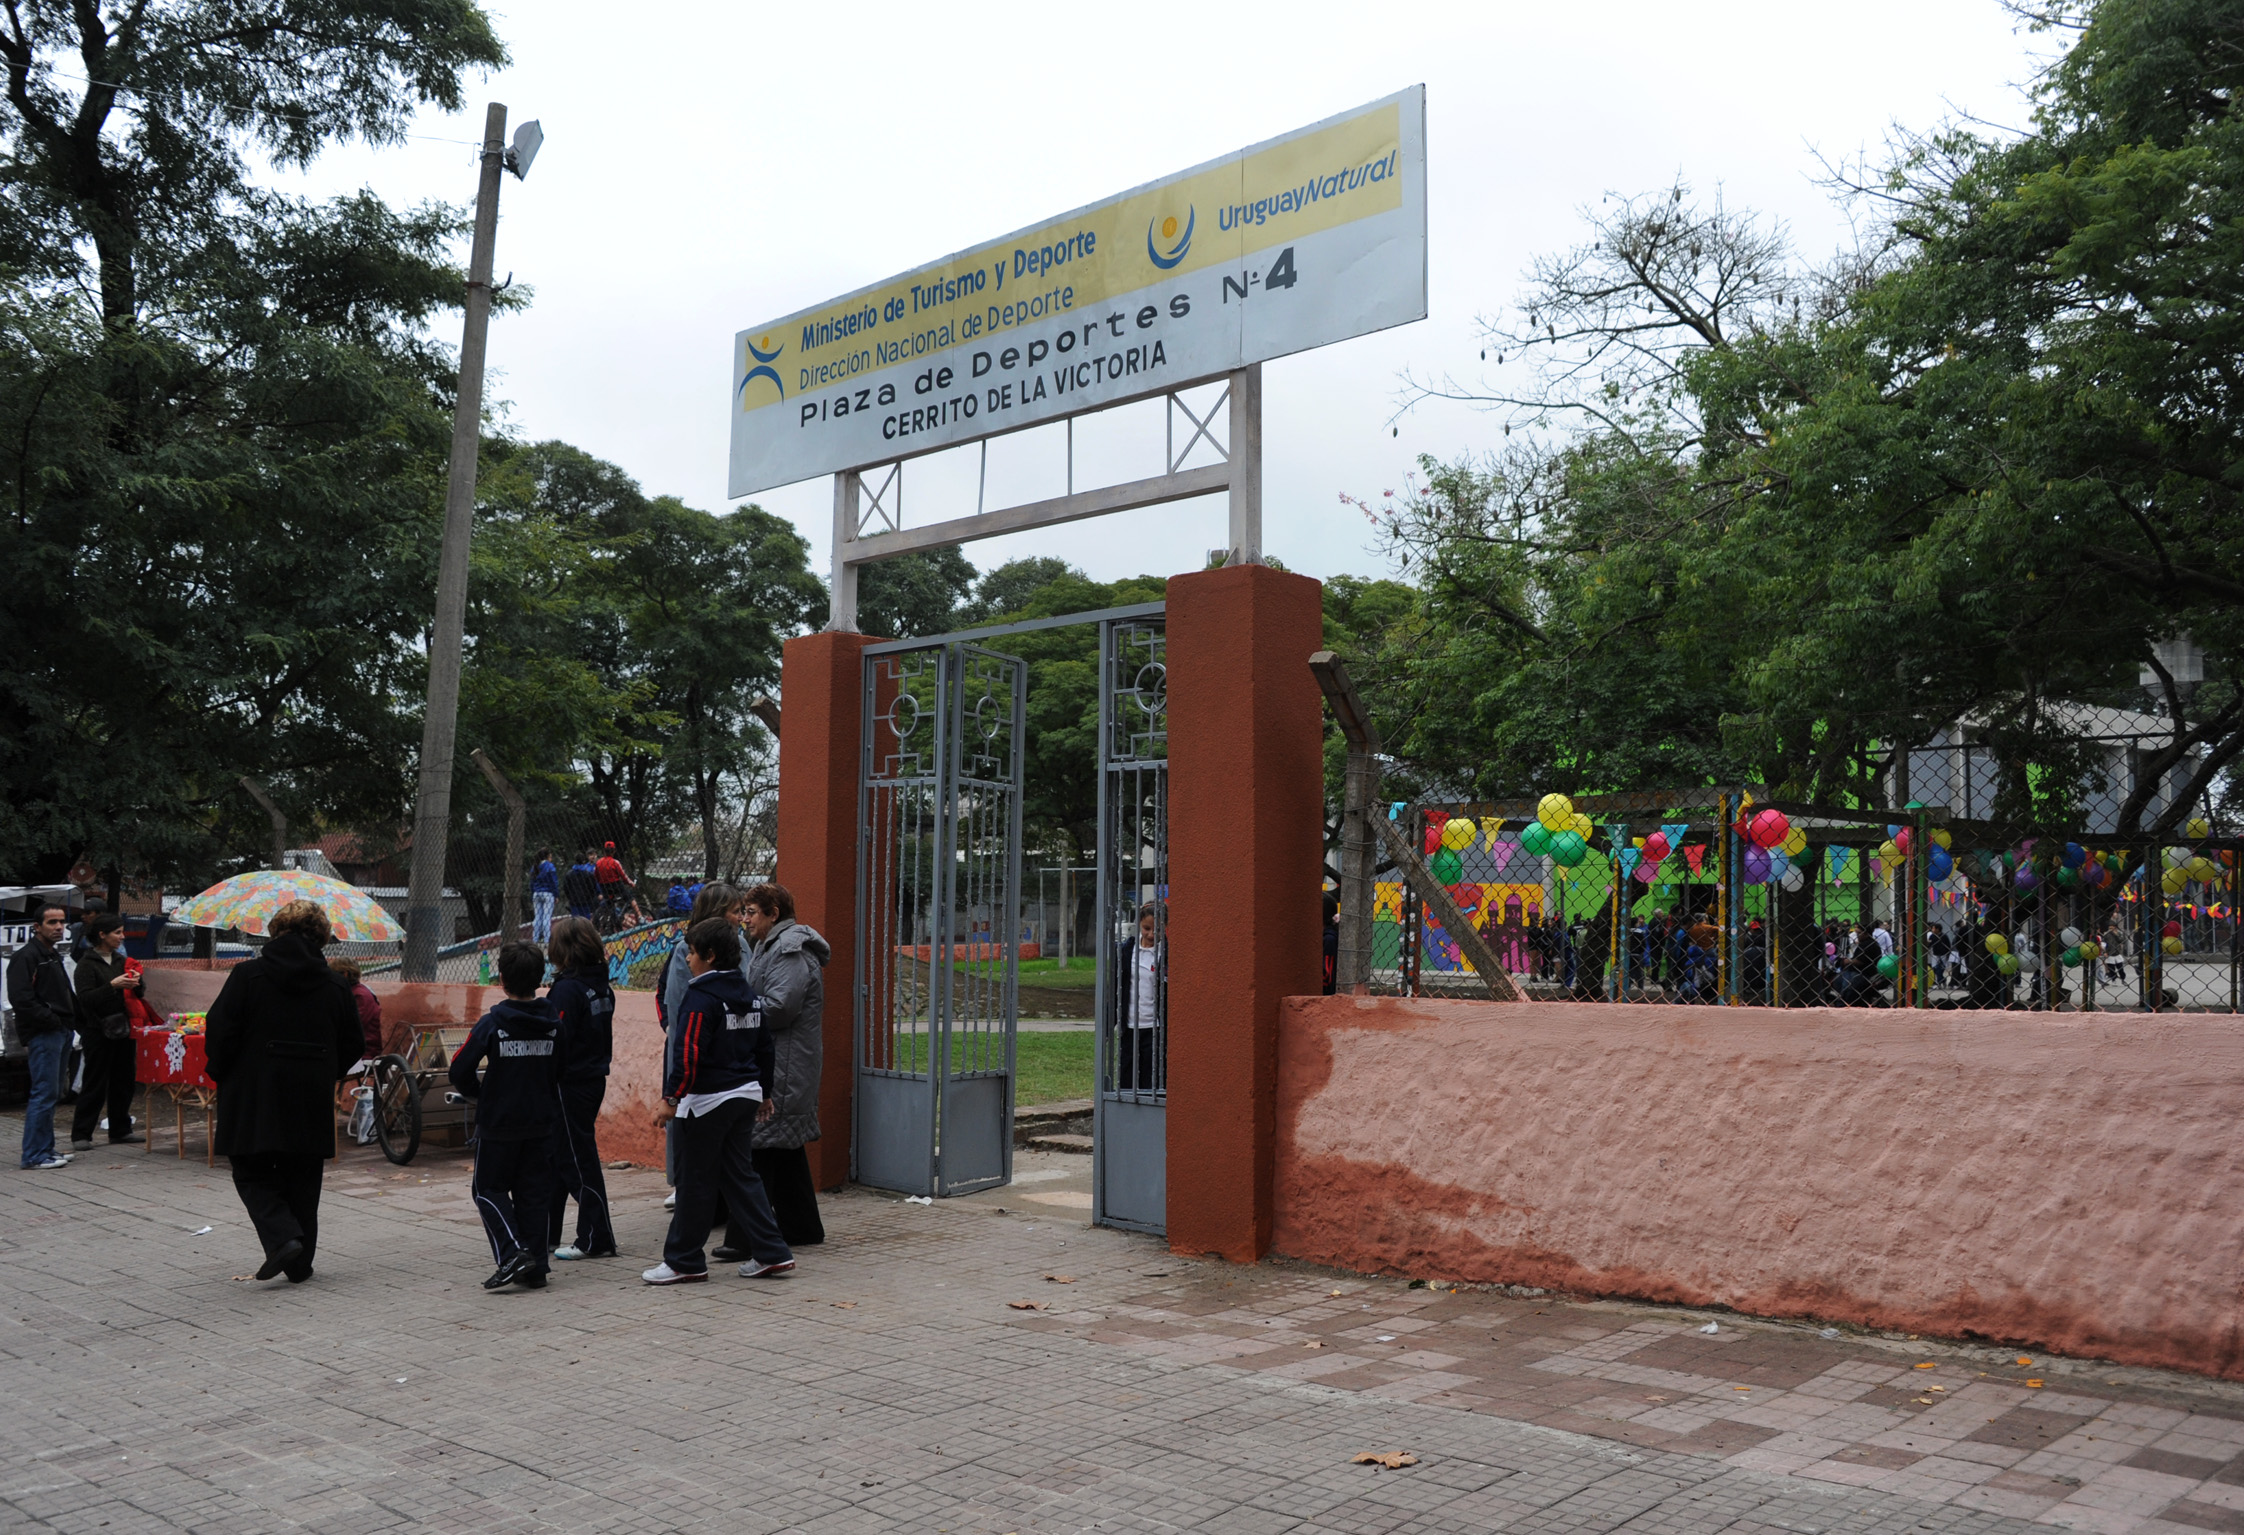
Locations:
{"points": [[432, 818]]}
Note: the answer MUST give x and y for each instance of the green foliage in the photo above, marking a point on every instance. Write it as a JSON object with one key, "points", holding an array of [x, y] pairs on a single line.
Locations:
{"points": [[222, 420], [1767, 523]]}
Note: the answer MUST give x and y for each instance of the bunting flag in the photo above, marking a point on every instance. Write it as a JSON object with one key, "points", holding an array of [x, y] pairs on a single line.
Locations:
{"points": [[1675, 831], [1394, 811], [1616, 836], [1490, 825], [1839, 857], [1693, 854], [1630, 858], [1503, 849]]}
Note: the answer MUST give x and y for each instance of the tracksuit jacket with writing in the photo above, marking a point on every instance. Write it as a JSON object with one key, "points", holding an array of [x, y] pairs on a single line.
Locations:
{"points": [[519, 1043], [718, 1040]]}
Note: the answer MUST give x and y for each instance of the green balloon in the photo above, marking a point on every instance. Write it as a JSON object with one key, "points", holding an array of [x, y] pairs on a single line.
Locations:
{"points": [[2007, 963], [1569, 848], [1536, 839], [2067, 877], [2071, 957], [1890, 966], [1448, 867]]}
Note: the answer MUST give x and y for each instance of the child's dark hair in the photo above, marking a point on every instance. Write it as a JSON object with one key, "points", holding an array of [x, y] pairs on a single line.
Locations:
{"points": [[521, 969], [103, 922], [716, 940]]}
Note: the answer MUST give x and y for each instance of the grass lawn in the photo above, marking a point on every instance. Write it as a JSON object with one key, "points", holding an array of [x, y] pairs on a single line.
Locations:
{"points": [[1052, 1067]]}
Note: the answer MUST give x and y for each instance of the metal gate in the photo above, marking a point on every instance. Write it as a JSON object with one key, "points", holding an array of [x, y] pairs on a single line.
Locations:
{"points": [[1129, 1138], [938, 916]]}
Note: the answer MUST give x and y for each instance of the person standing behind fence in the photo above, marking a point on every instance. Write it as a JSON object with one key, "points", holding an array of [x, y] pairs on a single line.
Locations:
{"points": [[582, 886], [517, 1110], [786, 969], [369, 1006], [39, 995], [104, 1034], [282, 1032], [545, 885], [580, 993], [1141, 1004]]}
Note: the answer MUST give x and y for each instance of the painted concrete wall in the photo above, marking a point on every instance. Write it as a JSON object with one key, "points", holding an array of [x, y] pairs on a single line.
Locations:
{"points": [[2073, 1183], [627, 1130]]}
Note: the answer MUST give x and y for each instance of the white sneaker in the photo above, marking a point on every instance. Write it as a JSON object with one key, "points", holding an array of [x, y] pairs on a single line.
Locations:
{"points": [[663, 1273], [569, 1254], [670, 1200], [755, 1270], [50, 1161]]}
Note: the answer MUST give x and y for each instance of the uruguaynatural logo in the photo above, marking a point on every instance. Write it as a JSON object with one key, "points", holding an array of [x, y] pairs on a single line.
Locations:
{"points": [[764, 368], [1158, 238]]}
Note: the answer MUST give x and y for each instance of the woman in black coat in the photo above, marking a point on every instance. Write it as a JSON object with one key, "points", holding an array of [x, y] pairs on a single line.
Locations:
{"points": [[282, 1033], [580, 993]]}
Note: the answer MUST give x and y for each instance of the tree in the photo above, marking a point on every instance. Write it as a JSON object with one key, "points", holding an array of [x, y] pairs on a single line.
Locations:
{"points": [[1773, 522], [222, 417], [914, 595]]}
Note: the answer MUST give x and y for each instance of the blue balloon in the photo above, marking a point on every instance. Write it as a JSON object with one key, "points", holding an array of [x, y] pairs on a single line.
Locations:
{"points": [[2075, 855], [1940, 865]]}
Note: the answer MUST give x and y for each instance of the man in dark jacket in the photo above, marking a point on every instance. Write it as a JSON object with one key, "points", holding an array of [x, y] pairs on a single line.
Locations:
{"points": [[282, 1033], [716, 1060], [517, 1110], [39, 995], [786, 969], [586, 1005], [104, 1034]]}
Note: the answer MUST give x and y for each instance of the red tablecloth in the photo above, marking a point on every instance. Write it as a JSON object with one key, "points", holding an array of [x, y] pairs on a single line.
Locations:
{"points": [[161, 1056]]}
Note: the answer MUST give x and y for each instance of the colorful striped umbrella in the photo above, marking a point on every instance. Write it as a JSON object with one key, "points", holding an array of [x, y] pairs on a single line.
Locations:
{"points": [[247, 901]]}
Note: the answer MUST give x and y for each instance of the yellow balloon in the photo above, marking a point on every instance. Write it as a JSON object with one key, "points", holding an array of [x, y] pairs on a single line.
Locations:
{"points": [[1997, 944], [1581, 823], [1458, 834], [1555, 811], [1941, 837], [2090, 948], [2175, 879], [1795, 843], [2204, 870], [1890, 851], [2201, 828], [2171, 945]]}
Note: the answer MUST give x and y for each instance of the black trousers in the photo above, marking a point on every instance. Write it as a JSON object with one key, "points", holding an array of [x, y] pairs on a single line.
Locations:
{"points": [[1140, 1060], [715, 1159], [106, 1090], [576, 1170], [785, 1171], [513, 1192], [280, 1190]]}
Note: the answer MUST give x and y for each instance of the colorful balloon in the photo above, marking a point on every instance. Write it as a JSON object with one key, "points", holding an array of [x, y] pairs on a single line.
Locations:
{"points": [[2007, 963], [1756, 865], [1536, 839], [1655, 846], [1554, 812], [1768, 828], [2170, 945], [1569, 848], [1939, 866], [1890, 966], [1997, 944], [1459, 834], [1448, 866]]}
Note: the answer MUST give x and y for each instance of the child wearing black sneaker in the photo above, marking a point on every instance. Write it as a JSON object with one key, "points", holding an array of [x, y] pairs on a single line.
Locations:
{"points": [[517, 1107]]}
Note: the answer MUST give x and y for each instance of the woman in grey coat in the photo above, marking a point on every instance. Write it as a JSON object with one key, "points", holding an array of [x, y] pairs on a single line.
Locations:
{"points": [[786, 966]]}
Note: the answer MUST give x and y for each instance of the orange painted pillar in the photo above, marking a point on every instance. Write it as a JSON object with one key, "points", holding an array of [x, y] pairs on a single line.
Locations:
{"points": [[1246, 844], [821, 693]]}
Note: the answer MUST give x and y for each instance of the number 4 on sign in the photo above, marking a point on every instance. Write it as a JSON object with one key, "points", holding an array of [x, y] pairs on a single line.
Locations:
{"points": [[1280, 275]]}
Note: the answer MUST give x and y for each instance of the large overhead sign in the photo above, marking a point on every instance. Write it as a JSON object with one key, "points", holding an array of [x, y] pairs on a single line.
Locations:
{"points": [[1306, 239]]}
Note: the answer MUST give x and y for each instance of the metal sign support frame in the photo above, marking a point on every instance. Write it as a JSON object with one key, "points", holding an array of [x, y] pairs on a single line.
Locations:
{"points": [[869, 501]]}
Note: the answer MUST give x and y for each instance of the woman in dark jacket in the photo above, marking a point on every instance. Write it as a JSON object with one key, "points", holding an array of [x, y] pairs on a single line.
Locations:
{"points": [[786, 966], [587, 1004], [105, 1034], [282, 1033]]}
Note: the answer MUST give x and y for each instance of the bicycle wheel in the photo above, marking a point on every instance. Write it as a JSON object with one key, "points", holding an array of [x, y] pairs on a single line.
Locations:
{"points": [[397, 1109]]}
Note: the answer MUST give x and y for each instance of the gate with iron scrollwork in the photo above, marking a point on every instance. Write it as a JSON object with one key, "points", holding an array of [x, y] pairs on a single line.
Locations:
{"points": [[938, 919], [1130, 1106]]}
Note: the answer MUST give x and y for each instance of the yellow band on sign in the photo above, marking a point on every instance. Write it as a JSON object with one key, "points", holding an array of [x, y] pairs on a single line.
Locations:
{"points": [[1331, 177], [1201, 272]]}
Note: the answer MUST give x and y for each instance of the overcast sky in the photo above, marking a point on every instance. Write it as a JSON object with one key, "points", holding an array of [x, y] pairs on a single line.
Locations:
{"points": [[710, 167]]}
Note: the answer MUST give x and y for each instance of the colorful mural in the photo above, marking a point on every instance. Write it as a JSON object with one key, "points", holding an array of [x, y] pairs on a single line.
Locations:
{"points": [[1502, 911]]}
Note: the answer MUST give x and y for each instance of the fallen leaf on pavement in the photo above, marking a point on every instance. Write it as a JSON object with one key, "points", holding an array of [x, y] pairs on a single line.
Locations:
{"points": [[1925, 1364], [2021, 1359], [241, 1276], [1061, 1278], [1028, 1305], [1314, 1343], [2035, 1384], [1922, 1401], [1393, 1460], [845, 1305]]}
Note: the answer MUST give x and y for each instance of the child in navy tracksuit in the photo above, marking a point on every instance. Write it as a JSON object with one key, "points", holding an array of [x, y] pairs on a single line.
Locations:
{"points": [[716, 1060], [517, 1109]]}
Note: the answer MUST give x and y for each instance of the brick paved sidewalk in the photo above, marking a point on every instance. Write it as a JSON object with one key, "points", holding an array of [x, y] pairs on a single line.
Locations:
{"points": [[889, 1385]]}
